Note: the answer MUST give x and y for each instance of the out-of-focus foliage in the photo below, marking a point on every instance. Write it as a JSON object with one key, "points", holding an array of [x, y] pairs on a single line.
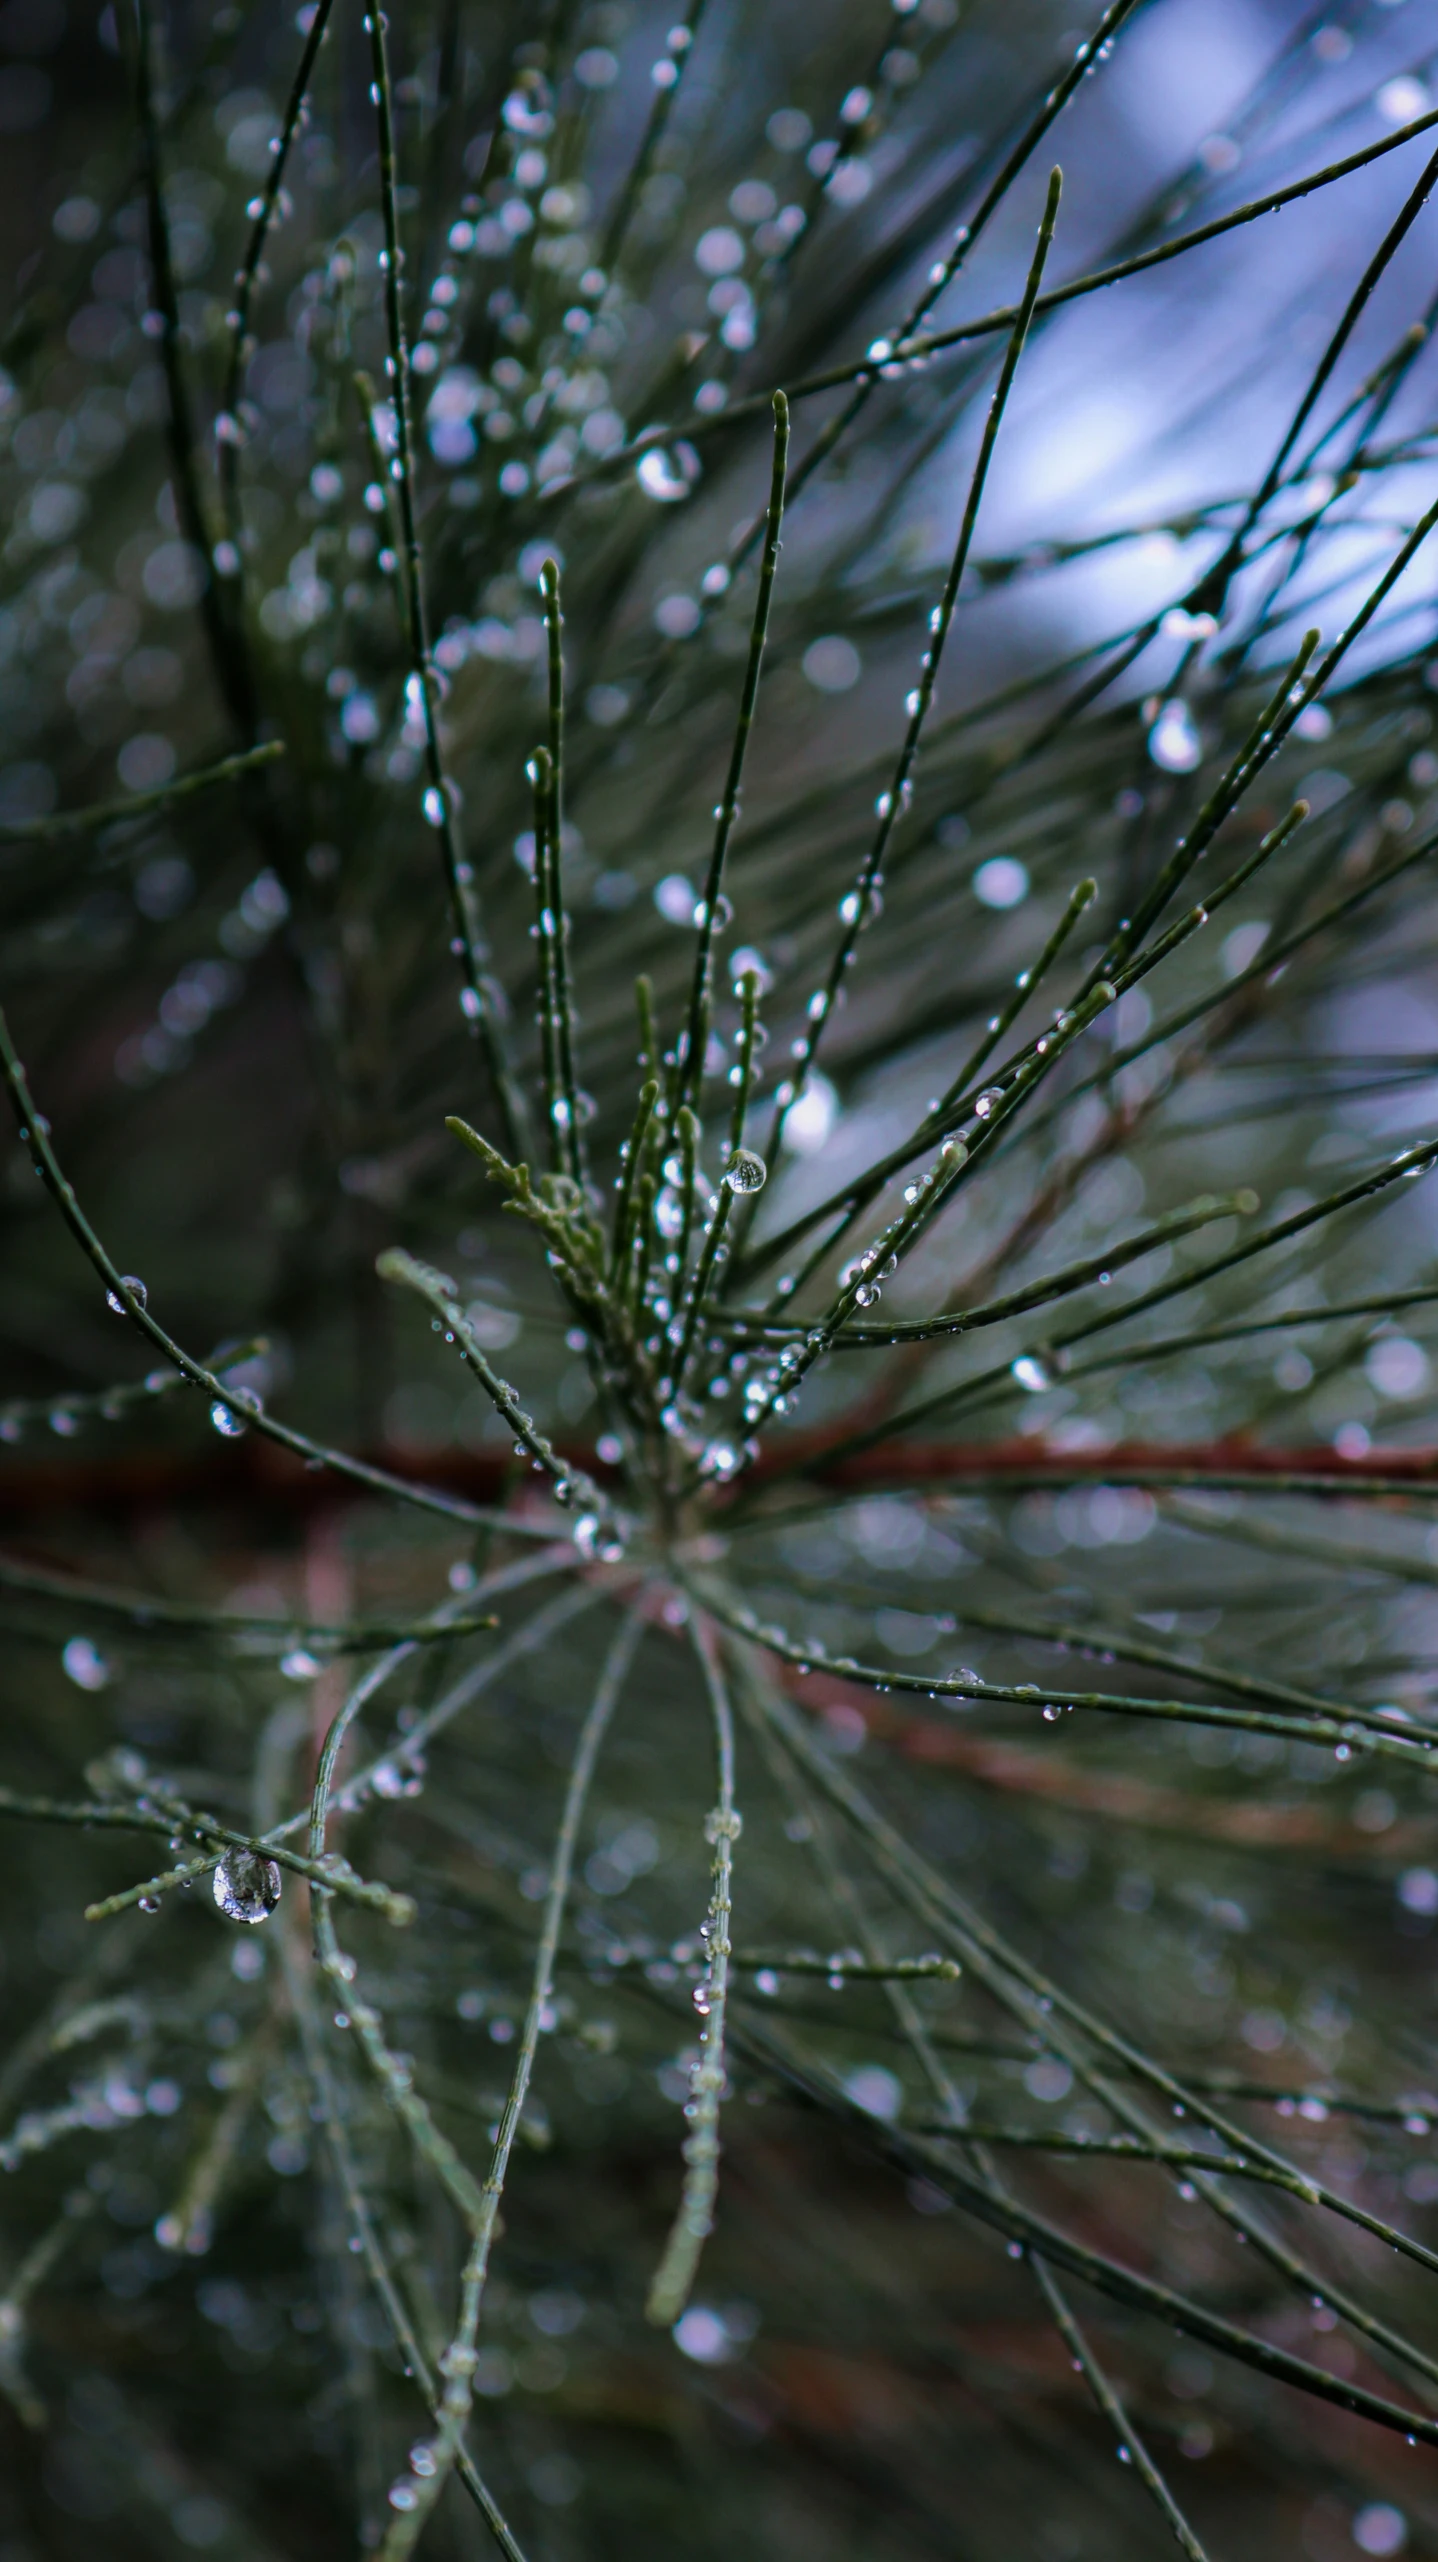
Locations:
{"points": [[915, 1704]]}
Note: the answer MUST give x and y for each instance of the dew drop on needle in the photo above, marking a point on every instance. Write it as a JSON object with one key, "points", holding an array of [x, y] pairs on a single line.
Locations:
{"points": [[1173, 741], [247, 1887]]}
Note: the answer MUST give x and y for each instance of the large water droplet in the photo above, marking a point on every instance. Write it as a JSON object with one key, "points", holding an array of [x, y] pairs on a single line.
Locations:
{"points": [[746, 1172], [1173, 741], [247, 1887], [988, 1104], [226, 1421], [128, 1281]]}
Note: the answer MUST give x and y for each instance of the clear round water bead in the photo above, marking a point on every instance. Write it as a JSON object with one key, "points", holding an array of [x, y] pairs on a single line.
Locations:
{"points": [[1032, 1373], [247, 1887], [746, 1172], [1173, 740], [128, 1281]]}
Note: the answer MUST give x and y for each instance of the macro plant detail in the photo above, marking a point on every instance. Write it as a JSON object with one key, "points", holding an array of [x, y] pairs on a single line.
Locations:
{"points": [[716, 823]]}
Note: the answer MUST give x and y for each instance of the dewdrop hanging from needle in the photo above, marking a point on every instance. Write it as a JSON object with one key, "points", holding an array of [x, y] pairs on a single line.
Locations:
{"points": [[246, 1886]]}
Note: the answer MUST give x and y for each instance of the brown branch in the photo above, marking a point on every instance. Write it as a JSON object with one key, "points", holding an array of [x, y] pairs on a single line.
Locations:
{"points": [[255, 1472]]}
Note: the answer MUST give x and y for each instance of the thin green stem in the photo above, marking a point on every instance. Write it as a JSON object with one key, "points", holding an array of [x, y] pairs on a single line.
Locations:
{"points": [[480, 1004], [673, 2279], [1130, 2445], [85, 822], [571, 1152], [859, 905], [34, 1133], [459, 2360], [229, 434], [231, 663], [709, 1254], [726, 815]]}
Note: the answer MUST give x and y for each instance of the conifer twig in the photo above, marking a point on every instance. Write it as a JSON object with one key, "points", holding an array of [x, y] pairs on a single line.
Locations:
{"points": [[670, 2286]]}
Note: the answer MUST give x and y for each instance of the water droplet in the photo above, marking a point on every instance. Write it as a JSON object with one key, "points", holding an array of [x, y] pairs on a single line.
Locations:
{"points": [[1031, 1373], [746, 1172], [867, 1294], [659, 479], [403, 2495], [988, 1103], [247, 1887], [84, 1664], [128, 1281], [299, 1664], [226, 1421], [149, 1903], [1173, 741], [387, 1779]]}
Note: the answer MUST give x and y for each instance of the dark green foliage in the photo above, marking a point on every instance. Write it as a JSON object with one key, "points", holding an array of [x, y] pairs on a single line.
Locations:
{"points": [[718, 1440]]}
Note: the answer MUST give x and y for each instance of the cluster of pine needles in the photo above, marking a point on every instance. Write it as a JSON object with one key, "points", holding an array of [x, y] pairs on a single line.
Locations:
{"points": [[807, 1920]]}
